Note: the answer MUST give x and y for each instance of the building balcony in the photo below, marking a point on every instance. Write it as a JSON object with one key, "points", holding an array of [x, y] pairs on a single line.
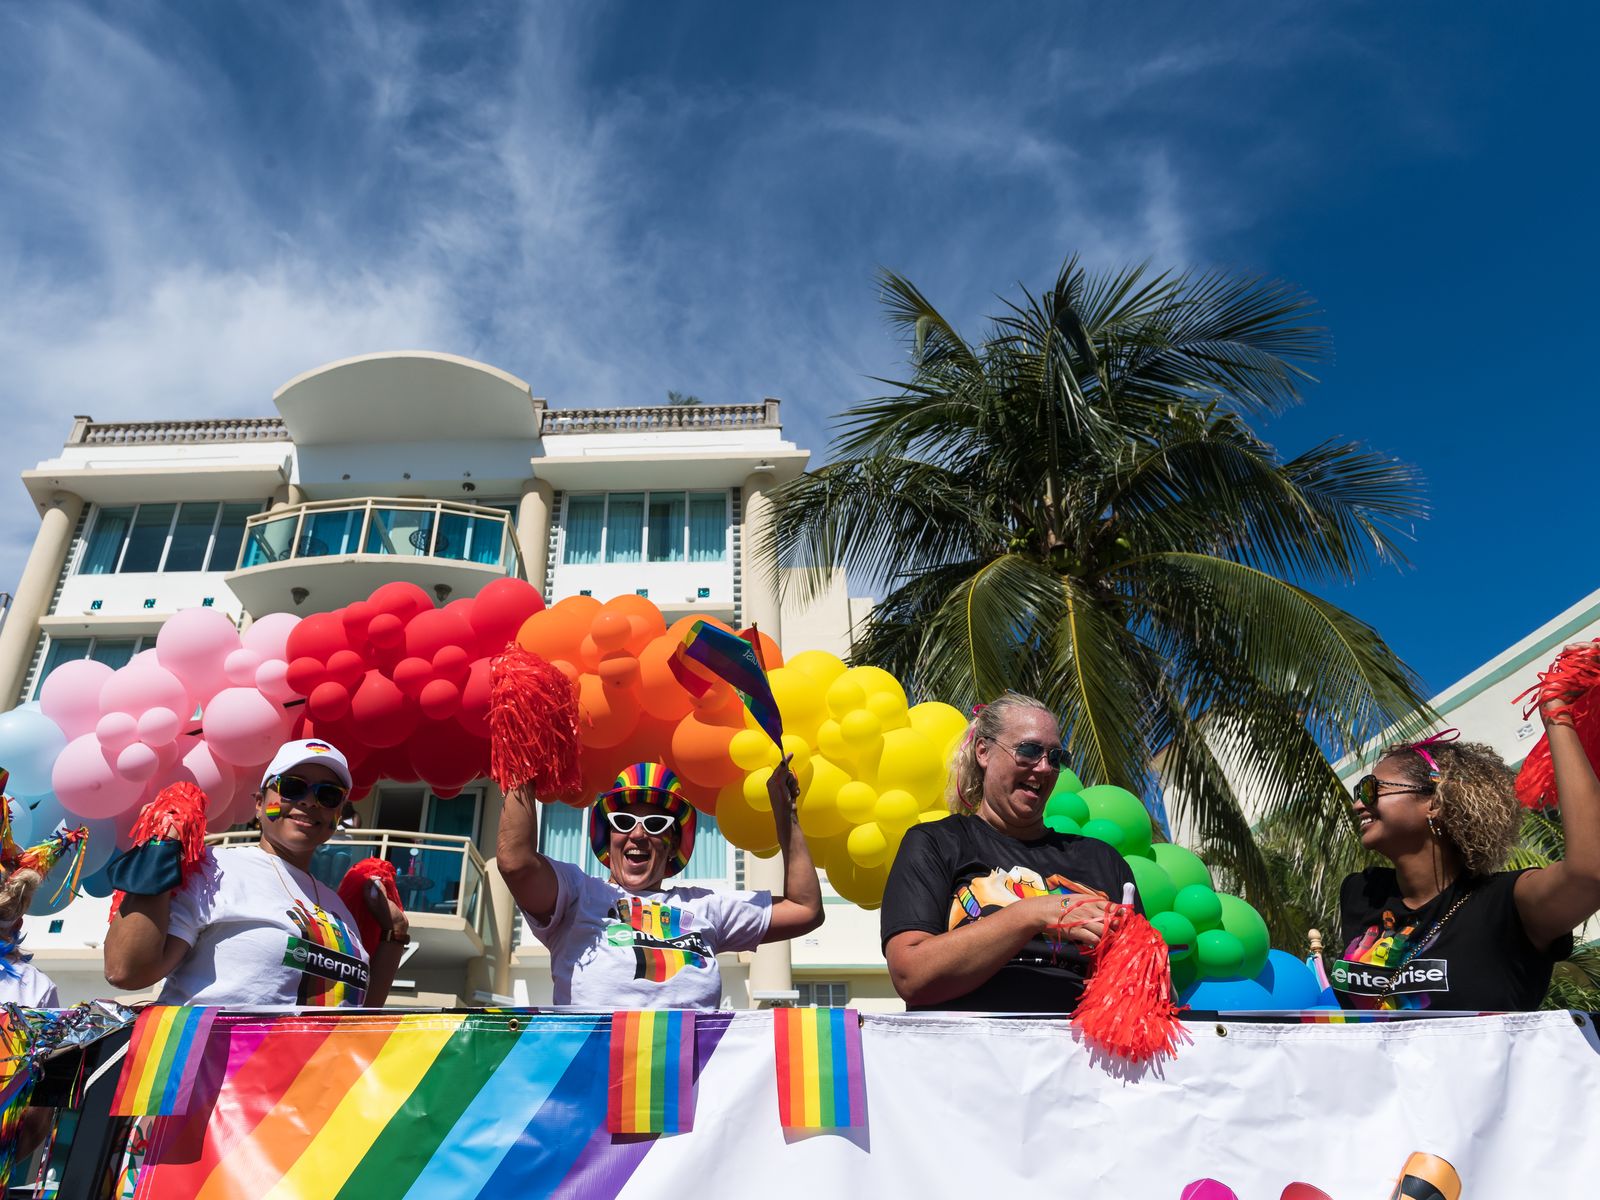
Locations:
{"points": [[442, 879], [334, 552]]}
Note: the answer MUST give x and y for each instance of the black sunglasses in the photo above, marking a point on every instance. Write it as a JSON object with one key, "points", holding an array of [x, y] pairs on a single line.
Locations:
{"points": [[294, 789], [655, 824], [1370, 787], [1028, 754]]}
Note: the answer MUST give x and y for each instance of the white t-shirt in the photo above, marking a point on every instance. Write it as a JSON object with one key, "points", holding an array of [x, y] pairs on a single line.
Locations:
{"points": [[611, 948], [29, 987], [263, 932]]}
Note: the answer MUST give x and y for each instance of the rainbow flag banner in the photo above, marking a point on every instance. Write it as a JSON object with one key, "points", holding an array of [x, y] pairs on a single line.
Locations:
{"points": [[821, 1082], [651, 1085], [736, 662], [163, 1061]]}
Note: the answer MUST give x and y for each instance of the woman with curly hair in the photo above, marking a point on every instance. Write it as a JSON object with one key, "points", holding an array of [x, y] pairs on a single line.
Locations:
{"points": [[1444, 928]]}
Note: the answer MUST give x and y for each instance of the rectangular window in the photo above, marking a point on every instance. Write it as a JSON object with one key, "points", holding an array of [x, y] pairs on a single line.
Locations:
{"points": [[114, 652], [191, 537], [666, 526], [586, 518], [822, 995], [105, 543], [625, 527], [230, 535], [708, 527], [147, 541]]}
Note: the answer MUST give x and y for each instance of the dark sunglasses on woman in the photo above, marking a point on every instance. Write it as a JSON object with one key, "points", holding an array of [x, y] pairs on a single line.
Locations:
{"points": [[655, 824], [1028, 754], [294, 789], [1369, 787]]}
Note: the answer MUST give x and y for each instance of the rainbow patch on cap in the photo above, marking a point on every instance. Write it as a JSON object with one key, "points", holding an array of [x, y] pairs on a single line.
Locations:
{"points": [[642, 783], [319, 747]]}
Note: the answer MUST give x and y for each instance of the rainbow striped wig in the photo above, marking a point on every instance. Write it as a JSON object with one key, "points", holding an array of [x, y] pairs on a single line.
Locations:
{"points": [[644, 783]]}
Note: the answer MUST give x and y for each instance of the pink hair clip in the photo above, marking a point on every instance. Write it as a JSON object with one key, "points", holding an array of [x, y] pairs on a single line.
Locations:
{"points": [[1433, 739]]}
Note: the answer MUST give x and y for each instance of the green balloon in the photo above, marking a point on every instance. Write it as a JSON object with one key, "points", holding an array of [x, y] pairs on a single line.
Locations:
{"points": [[1067, 784], [1200, 905], [1156, 892], [1106, 831], [1062, 824], [1185, 971], [1125, 810], [1245, 923], [1221, 954], [1066, 804], [1176, 931], [1184, 866]]}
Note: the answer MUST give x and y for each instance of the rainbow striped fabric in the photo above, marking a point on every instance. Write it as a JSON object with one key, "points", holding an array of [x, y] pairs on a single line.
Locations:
{"points": [[735, 661], [651, 1087], [162, 1062], [821, 1081], [336, 1105]]}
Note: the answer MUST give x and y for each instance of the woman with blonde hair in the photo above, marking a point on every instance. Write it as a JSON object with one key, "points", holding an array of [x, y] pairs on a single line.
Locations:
{"points": [[1443, 927], [989, 910]]}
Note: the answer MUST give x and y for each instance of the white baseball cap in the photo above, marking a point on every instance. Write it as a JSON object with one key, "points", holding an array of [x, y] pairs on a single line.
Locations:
{"points": [[296, 754]]}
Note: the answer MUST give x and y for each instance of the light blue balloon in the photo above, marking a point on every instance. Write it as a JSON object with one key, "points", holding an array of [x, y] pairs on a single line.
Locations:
{"points": [[1227, 995], [45, 813], [21, 821], [29, 744], [1289, 982], [101, 846]]}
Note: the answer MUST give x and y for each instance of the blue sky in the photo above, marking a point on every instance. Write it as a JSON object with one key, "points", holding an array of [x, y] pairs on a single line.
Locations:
{"points": [[198, 202]]}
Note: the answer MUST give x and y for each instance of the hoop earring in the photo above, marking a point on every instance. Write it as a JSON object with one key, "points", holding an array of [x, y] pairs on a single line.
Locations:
{"points": [[1433, 829]]}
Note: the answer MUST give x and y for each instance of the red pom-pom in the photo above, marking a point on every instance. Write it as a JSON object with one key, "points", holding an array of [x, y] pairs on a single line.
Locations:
{"points": [[353, 891], [178, 812], [533, 726], [1127, 1007], [1575, 674]]}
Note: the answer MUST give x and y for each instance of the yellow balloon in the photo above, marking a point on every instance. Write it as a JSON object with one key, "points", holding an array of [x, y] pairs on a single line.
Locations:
{"points": [[845, 695], [875, 680], [830, 741], [937, 814], [819, 664], [862, 886], [868, 845], [910, 761], [751, 749], [742, 825], [890, 708], [754, 791], [819, 808], [940, 723], [800, 701], [896, 810], [860, 729], [856, 801], [798, 748]]}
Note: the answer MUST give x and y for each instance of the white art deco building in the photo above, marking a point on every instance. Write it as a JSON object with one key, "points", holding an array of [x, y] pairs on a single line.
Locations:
{"points": [[447, 473]]}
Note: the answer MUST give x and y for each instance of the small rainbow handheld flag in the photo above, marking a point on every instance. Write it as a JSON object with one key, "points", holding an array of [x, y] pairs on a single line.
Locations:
{"points": [[163, 1057], [652, 1072], [821, 1082], [736, 662]]}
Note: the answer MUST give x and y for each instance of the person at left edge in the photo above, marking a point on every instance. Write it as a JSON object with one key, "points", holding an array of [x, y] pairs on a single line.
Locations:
{"points": [[626, 941], [252, 927]]}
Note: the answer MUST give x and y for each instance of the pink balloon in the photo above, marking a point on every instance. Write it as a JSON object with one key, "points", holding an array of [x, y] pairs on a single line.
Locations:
{"points": [[215, 778], [269, 637], [157, 726], [115, 731], [272, 681], [194, 645], [70, 695], [87, 784], [243, 726], [240, 667], [169, 755], [144, 685], [137, 762]]}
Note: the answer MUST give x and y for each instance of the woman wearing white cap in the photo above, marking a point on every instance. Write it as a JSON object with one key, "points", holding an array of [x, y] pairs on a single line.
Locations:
{"points": [[252, 926]]}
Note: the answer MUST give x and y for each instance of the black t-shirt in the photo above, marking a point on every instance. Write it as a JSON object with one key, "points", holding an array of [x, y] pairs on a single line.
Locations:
{"points": [[1480, 961], [952, 872]]}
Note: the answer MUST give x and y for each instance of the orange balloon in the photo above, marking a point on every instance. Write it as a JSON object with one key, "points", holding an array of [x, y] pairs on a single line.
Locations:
{"points": [[558, 631], [606, 714], [645, 621], [703, 798], [600, 768], [771, 656], [700, 752], [620, 669], [660, 693], [610, 631], [651, 740], [679, 629]]}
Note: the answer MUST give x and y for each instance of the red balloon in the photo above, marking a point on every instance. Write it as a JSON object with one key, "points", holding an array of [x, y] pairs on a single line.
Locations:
{"points": [[412, 675], [439, 700], [387, 631], [474, 714], [368, 773], [304, 674], [404, 600], [380, 712], [446, 759], [430, 632], [319, 636], [328, 702], [346, 667], [452, 663], [395, 764], [499, 610]]}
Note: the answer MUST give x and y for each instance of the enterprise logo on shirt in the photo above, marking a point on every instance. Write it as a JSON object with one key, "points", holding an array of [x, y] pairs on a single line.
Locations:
{"points": [[1365, 979]]}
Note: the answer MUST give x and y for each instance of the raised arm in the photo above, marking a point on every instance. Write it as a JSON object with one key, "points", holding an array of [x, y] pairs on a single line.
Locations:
{"points": [[1555, 900], [799, 911], [138, 950], [527, 873]]}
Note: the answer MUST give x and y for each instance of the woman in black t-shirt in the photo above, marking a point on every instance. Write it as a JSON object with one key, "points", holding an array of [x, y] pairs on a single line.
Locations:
{"points": [[986, 910], [1442, 928]]}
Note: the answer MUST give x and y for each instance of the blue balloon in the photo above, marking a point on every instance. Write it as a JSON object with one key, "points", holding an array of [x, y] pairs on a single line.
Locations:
{"points": [[102, 844], [1227, 995], [29, 744], [1285, 983], [97, 884], [1289, 982], [21, 821]]}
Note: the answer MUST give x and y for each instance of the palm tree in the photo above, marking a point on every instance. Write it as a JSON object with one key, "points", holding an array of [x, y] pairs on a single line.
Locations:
{"points": [[1077, 507]]}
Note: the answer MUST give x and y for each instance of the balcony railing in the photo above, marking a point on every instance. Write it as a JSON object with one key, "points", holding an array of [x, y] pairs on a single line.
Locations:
{"points": [[171, 433], [437, 873], [401, 528], [659, 418]]}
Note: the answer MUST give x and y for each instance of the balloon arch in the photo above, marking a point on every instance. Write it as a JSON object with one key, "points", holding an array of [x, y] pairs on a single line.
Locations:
{"points": [[402, 687]]}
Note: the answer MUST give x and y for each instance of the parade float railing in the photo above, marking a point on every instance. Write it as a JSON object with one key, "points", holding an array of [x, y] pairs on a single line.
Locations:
{"points": [[442, 1104]]}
